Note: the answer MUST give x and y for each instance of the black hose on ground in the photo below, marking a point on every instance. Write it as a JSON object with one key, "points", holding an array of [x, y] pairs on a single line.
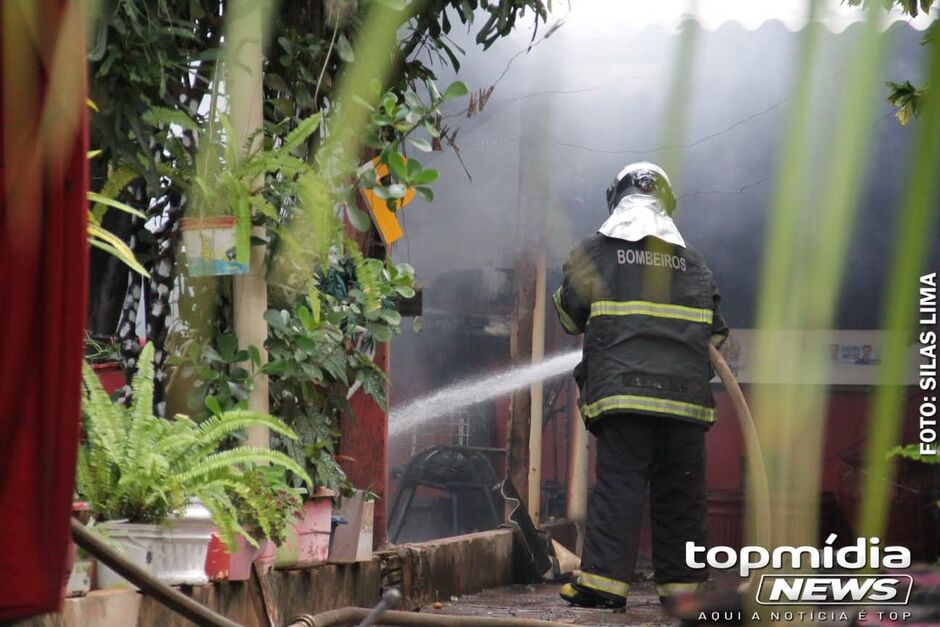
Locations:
{"points": [[148, 584]]}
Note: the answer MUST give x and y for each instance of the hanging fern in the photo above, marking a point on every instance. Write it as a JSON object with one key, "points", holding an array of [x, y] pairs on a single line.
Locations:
{"points": [[136, 466], [304, 129]]}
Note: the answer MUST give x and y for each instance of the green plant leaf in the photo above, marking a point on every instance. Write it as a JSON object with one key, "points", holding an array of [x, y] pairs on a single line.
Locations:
{"points": [[396, 163], [254, 354], [358, 218], [305, 317], [110, 202], [212, 404], [275, 368], [228, 345], [305, 344], [426, 193], [380, 332], [390, 316], [122, 252], [164, 116], [381, 192], [421, 144], [456, 89], [390, 104], [275, 320], [344, 49], [203, 469], [424, 177], [304, 129], [432, 130]]}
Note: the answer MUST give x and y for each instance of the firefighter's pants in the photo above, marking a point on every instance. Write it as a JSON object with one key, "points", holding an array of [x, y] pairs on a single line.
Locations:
{"points": [[639, 455]]}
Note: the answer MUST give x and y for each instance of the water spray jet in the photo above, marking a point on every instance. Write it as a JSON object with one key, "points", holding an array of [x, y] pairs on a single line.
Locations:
{"points": [[466, 393]]}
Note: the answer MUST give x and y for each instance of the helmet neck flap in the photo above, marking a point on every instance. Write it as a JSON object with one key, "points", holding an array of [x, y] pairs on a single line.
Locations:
{"points": [[641, 202]]}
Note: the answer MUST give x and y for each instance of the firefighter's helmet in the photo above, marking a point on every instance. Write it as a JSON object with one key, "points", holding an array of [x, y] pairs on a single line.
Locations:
{"points": [[643, 178]]}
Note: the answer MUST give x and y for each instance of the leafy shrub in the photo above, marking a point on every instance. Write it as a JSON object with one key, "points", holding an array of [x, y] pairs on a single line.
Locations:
{"points": [[272, 506], [142, 468], [320, 347]]}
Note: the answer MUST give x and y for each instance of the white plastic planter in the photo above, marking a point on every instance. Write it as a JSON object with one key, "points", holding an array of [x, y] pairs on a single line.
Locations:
{"points": [[175, 552]]}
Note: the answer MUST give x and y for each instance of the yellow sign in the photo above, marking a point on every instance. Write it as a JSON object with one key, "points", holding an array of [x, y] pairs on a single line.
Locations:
{"points": [[385, 221]]}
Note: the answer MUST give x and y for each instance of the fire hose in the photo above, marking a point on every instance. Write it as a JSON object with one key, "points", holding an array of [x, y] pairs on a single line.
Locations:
{"points": [[348, 615], [757, 471]]}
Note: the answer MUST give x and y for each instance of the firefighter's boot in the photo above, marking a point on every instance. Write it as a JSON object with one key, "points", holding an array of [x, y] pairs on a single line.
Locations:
{"points": [[586, 597]]}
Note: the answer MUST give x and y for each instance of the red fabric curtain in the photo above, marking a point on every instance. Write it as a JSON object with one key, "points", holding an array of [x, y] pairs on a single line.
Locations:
{"points": [[43, 182]]}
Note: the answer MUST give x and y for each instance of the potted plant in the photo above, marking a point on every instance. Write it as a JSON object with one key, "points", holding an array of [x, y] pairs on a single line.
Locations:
{"points": [[104, 355], [268, 514], [161, 485]]}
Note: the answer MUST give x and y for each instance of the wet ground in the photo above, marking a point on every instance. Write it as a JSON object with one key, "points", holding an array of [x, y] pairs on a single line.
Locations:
{"points": [[541, 601]]}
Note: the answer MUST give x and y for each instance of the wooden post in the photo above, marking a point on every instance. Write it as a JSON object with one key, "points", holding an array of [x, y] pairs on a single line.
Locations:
{"points": [[536, 394], [534, 200], [245, 26], [520, 350]]}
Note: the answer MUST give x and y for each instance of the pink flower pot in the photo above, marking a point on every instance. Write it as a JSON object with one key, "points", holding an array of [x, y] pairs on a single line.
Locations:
{"points": [[308, 542], [240, 561]]}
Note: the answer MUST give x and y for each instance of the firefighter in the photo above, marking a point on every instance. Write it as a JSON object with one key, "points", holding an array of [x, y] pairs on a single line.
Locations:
{"points": [[648, 307]]}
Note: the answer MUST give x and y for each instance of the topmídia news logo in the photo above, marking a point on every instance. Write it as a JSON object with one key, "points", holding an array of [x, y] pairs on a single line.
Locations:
{"points": [[827, 577], [795, 589]]}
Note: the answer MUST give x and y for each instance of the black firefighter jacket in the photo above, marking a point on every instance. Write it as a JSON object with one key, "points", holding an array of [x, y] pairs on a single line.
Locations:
{"points": [[648, 310]]}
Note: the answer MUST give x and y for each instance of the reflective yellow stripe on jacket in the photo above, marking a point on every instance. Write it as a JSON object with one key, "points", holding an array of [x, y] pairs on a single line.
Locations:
{"points": [[649, 404], [647, 308], [563, 315]]}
